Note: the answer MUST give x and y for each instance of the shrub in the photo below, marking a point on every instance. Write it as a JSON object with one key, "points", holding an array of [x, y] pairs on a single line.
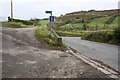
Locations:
{"points": [[24, 22], [14, 24], [112, 37], [116, 36], [110, 20]]}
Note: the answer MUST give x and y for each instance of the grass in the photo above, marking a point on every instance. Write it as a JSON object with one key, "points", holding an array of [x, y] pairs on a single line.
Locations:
{"points": [[16, 25], [100, 22], [115, 22], [44, 23], [78, 25], [44, 35], [65, 26], [111, 37], [73, 33]]}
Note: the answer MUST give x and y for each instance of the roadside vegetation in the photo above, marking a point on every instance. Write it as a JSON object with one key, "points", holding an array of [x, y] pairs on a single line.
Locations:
{"points": [[45, 35], [17, 23], [73, 33], [91, 25], [95, 24], [44, 23], [111, 37]]}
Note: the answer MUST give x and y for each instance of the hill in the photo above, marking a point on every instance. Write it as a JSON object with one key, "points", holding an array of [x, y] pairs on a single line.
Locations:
{"points": [[90, 18]]}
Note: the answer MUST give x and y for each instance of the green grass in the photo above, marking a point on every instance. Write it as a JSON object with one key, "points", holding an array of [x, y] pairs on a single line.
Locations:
{"points": [[16, 25], [65, 26], [115, 22], [111, 37], [98, 21], [78, 25], [73, 33], [44, 35], [44, 23]]}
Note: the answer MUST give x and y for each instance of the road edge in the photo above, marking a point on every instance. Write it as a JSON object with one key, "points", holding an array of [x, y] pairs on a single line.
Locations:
{"points": [[106, 70]]}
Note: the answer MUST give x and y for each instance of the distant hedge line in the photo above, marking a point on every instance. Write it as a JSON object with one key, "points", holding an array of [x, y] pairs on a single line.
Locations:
{"points": [[112, 37], [21, 21], [111, 19], [15, 25]]}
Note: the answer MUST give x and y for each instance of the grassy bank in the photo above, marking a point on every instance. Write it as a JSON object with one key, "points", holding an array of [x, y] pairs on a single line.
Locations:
{"points": [[103, 36], [44, 23], [73, 33], [44, 35], [16, 25], [99, 22], [111, 37]]}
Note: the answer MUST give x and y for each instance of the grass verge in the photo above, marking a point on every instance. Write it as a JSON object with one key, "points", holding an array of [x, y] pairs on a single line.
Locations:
{"points": [[16, 25], [73, 33], [44, 35], [103, 36], [111, 37]]}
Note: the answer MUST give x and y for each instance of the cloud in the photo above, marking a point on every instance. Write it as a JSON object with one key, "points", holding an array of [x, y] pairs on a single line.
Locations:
{"points": [[36, 8]]}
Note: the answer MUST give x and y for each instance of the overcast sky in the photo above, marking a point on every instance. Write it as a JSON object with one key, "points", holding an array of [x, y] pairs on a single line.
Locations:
{"points": [[26, 9]]}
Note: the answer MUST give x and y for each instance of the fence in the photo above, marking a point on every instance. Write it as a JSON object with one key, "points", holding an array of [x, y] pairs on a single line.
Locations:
{"points": [[59, 39]]}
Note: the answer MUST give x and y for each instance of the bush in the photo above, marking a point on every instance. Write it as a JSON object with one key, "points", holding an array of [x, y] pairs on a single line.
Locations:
{"points": [[23, 22], [112, 37], [116, 36], [110, 20], [14, 24]]}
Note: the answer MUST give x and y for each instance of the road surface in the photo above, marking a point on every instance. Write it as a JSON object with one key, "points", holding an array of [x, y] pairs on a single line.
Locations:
{"points": [[25, 57], [99, 51]]}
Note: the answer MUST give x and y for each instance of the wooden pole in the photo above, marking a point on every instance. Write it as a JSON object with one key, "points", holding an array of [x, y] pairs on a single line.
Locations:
{"points": [[11, 11]]}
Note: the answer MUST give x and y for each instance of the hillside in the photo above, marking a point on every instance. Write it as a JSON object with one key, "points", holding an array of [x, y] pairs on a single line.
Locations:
{"points": [[91, 18]]}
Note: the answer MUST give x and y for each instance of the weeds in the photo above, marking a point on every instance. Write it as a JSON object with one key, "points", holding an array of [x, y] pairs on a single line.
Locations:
{"points": [[43, 34], [112, 37]]}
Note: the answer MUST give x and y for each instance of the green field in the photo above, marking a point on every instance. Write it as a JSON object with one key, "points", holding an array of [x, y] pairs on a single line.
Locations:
{"points": [[44, 23], [100, 22], [115, 22], [99, 26]]}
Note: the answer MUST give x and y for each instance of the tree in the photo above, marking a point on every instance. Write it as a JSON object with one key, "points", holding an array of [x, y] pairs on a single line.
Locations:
{"points": [[9, 19], [84, 27]]}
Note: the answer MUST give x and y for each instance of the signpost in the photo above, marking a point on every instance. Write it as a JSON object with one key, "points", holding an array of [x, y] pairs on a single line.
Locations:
{"points": [[51, 18], [49, 12], [51, 30]]}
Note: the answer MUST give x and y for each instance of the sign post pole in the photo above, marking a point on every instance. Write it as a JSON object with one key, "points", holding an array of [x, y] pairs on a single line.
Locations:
{"points": [[51, 20]]}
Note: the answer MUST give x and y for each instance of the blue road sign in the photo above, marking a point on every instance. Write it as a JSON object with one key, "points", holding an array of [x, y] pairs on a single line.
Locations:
{"points": [[51, 18]]}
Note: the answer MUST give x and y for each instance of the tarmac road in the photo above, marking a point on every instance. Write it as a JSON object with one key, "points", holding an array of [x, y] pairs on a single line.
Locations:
{"points": [[25, 57], [106, 53]]}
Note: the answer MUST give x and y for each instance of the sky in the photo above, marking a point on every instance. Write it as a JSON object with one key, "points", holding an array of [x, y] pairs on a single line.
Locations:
{"points": [[27, 9]]}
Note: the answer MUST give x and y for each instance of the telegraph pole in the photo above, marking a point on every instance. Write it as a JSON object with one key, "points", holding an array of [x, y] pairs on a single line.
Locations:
{"points": [[11, 10]]}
